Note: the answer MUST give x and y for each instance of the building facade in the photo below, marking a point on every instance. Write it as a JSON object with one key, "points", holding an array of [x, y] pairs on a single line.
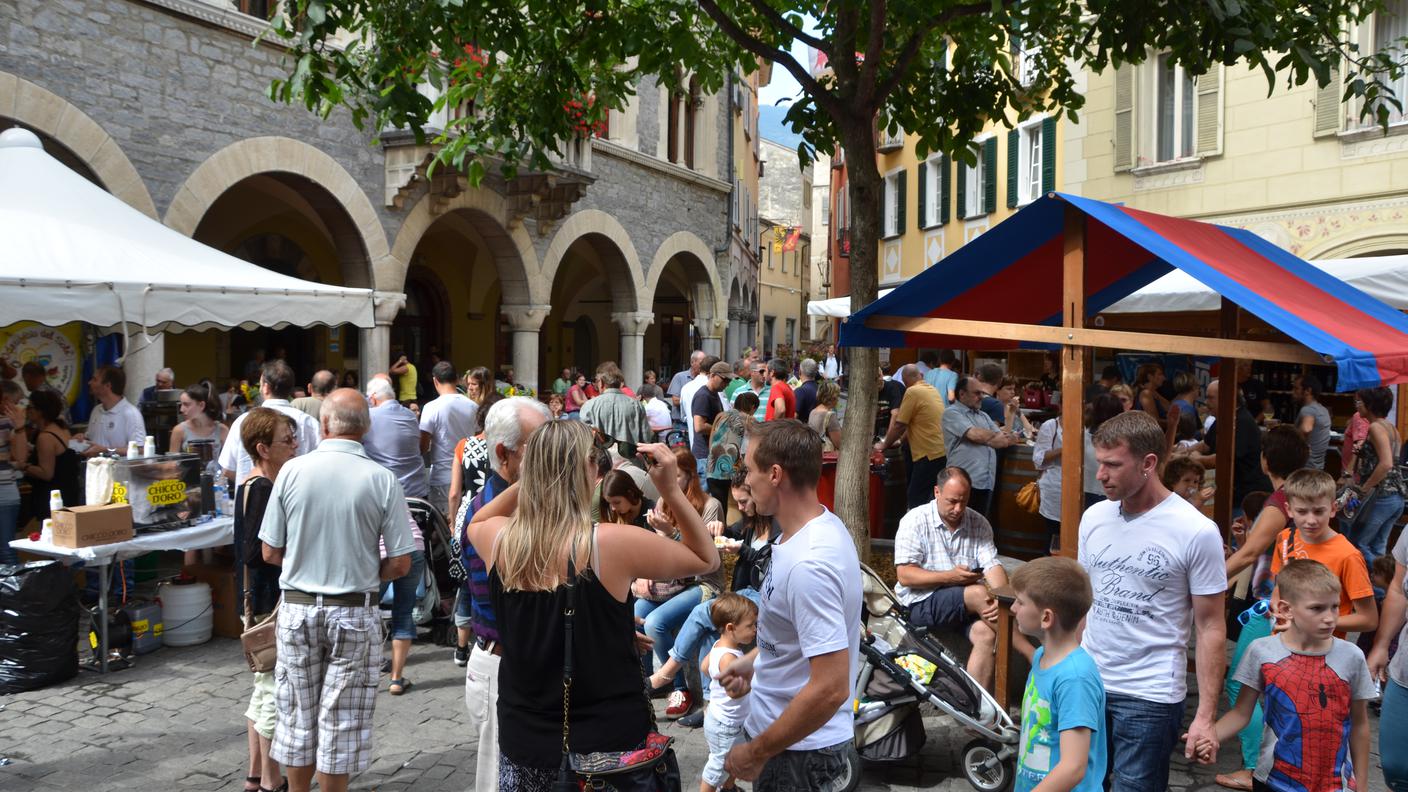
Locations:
{"points": [[784, 272], [621, 252]]}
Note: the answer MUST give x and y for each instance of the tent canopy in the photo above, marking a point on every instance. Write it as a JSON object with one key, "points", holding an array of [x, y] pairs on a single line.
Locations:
{"points": [[73, 252], [1013, 274]]}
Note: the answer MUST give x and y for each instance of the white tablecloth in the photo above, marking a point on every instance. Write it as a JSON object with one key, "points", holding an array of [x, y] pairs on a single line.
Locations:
{"points": [[215, 533]]}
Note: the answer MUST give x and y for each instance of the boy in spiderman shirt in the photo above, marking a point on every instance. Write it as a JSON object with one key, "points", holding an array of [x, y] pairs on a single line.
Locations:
{"points": [[1315, 690]]}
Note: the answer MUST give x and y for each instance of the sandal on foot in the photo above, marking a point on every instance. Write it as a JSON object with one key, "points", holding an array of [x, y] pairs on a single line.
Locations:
{"points": [[399, 686], [1238, 780], [258, 787], [281, 787]]}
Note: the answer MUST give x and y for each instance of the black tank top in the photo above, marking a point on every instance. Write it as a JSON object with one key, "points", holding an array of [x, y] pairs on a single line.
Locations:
{"points": [[608, 693]]}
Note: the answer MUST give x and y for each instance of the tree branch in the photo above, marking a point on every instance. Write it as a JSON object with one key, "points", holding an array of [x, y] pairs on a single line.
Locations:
{"points": [[874, 46], [824, 98], [776, 18], [916, 41]]}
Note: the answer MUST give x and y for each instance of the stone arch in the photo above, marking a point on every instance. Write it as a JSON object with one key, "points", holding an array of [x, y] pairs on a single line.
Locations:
{"points": [[280, 155], [47, 112], [487, 213], [684, 242], [1376, 242], [587, 223]]}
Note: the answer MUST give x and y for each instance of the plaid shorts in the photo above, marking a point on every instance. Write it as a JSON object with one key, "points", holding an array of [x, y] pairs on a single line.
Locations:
{"points": [[325, 686]]}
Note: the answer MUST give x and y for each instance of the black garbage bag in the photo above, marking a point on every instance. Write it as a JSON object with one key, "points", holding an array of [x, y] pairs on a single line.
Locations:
{"points": [[38, 626]]}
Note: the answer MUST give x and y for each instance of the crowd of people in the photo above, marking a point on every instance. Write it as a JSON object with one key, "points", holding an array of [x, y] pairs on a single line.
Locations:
{"points": [[603, 512]]}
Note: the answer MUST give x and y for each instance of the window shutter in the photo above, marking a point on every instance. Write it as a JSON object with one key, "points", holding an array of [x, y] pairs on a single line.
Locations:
{"points": [[923, 194], [1048, 155], [945, 177], [1124, 118], [900, 201], [1014, 144], [1328, 112], [1209, 112], [962, 191], [990, 175]]}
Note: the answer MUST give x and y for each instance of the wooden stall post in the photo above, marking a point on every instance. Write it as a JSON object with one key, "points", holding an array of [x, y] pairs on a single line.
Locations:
{"points": [[1227, 393], [1073, 381]]}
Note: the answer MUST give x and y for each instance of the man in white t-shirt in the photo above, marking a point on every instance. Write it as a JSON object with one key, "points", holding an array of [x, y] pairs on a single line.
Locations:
{"points": [[114, 421], [444, 422], [1156, 566], [687, 394], [802, 672], [276, 386]]}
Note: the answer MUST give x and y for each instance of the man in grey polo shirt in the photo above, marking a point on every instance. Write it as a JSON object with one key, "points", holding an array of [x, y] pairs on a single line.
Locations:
{"points": [[972, 440], [327, 514]]}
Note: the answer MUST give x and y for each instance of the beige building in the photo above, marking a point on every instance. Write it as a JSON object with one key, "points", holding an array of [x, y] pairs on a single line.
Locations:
{"points": [[1298, 167], [784, 266]]}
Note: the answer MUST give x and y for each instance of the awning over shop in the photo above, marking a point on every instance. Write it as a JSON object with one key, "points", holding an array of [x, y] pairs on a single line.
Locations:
{"points": [[73, 252], [1013, 275], [835, 307]]}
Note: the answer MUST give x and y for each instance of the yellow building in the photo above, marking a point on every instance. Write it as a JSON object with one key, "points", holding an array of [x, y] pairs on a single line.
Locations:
{"points": [[1297, 167]]}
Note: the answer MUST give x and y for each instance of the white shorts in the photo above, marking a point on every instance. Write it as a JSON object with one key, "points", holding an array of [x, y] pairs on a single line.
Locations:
{"points": [[481, 698], [325, 686], [721, 737], [262, 711]]}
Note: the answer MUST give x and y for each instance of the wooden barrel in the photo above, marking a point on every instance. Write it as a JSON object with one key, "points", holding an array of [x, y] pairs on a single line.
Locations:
{"points": [[1018, 532]]}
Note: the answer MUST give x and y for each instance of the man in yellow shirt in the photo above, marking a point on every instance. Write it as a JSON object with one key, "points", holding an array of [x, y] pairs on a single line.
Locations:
{"points": [[405, 373], [920, 416]]}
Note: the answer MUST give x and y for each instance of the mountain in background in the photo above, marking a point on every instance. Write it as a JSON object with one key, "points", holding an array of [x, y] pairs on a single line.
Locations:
{"points": [[772, 127]]}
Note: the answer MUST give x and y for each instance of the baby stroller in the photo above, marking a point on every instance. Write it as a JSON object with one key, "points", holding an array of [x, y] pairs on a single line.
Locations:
{"points": [[903, 668], [435, 597]]}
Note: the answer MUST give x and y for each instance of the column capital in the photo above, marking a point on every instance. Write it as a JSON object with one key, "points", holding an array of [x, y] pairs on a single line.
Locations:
{"points": [[525, 317], [385, 306], [633, 322], [710, 327]]}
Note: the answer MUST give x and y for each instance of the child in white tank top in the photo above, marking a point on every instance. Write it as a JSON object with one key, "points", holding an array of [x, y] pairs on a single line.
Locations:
{"points": [[736, 618]]}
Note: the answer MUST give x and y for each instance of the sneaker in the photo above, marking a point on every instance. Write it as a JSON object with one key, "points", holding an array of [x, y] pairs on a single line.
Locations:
{"points": [[461, 656], [386, 666], [693, 720], [679, 703]]}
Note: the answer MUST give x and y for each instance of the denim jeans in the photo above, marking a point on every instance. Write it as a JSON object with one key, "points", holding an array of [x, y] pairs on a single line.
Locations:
{"points": [[1393, 737], [404, 592], [662, 621], [698, 634], [9, 519], [1141, 735], [1370, 530], [1250, 737]]}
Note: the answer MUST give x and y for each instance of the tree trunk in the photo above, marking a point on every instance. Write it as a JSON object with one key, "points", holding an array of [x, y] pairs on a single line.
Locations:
{"points": [[865, 190]]}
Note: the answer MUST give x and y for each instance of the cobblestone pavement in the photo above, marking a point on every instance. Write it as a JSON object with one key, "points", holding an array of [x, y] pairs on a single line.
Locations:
{"points": [[176, 722]]}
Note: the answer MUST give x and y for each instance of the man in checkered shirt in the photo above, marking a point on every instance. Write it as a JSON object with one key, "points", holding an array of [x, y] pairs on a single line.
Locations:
{"points": [[946, 562]]}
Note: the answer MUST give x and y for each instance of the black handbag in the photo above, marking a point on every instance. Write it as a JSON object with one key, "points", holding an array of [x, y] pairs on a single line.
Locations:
{"points": [[651, 767]]}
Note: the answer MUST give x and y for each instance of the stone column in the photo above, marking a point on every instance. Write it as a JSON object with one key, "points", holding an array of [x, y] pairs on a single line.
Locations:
{"points": [[143, 357], [734, 340], [711, 334], [525, 321], [633, 325], [376, 341]]}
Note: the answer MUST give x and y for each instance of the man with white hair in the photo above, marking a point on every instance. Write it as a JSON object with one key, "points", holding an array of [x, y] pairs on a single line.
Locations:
{"points": [[393, 441], [328, 514], [506, 428], [276, 385], [164, 380], [679, 407], [806, 392]]}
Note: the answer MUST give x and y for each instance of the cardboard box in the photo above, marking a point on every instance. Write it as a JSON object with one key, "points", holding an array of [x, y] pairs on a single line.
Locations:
{"points": [[224, 600], [86, 526]]}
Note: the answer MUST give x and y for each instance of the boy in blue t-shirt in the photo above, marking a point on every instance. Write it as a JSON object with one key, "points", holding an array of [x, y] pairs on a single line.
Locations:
{"points": [[1063, 743]]}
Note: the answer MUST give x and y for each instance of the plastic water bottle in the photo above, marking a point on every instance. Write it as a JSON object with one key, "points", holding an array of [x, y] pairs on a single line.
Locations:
{"points": [[220, 504], [56, 500], [149, 447]]}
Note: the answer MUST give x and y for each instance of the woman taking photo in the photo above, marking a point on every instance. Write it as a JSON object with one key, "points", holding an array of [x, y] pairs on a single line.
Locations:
{"points": [[532, 546], [271, 439], [52, 464], [202, 422]]}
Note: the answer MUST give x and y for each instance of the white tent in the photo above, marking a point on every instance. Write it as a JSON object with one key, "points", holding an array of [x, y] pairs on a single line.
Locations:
{"points": [[72, 252], [1382, 277]]}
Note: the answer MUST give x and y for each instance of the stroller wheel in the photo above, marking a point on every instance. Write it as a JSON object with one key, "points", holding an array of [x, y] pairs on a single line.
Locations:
{"points": [[984, 768], [849, 779]]}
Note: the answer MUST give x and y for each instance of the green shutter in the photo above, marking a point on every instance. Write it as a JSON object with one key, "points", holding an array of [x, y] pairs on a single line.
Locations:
{"points": [[945, 185], [990, 175], [1329, 115], [1014, 142], [900, 202], [962, 191], [1048, 156], [1124, 118], [1209, 112], [923, 188]]}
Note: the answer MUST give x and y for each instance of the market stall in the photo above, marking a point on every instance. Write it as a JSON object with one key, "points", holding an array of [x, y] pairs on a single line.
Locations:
{"points": [[1037, 279]]}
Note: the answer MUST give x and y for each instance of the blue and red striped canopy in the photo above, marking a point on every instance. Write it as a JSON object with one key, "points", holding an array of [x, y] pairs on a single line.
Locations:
{"points": [[1013, 274]]}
